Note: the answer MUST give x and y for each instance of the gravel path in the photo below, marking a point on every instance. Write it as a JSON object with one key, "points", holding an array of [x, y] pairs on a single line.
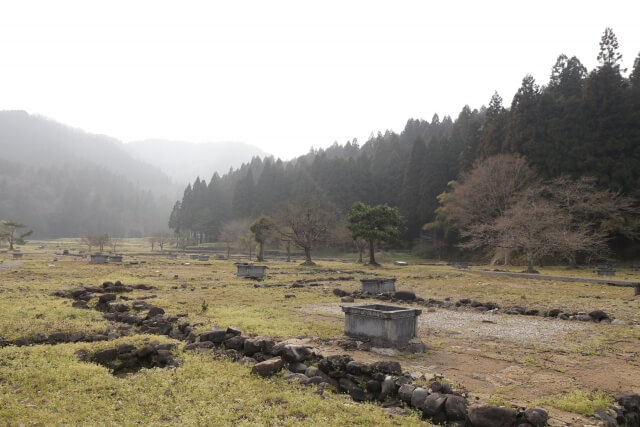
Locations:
{"points": [[518, 329]]}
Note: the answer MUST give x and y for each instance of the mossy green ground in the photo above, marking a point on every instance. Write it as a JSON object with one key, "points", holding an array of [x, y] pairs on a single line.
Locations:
{"points": [[48, 385]]}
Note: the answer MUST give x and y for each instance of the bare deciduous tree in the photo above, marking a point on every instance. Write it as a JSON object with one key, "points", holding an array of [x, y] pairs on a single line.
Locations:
{"points": [[561, 218], [231, 232], [99, 240], [539, 227], [161, 239], [306, 222], [360, 244], [487, 191], [153, 241]]}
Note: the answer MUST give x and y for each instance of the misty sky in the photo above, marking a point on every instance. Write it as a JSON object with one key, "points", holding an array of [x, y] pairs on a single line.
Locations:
{"points": [[285, 75]]}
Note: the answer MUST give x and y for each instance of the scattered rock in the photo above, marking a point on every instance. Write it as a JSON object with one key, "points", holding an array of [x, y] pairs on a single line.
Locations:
{"points": [[387, 367], [296, 353], [268, 367], [598, 315], [387, 388], [536, 417], [491, 416], [418, 397], [433, 404], [340, 293], [235, 342], [405, 295], [405, 392], [298, 368], [106, 355], [455, 407]]}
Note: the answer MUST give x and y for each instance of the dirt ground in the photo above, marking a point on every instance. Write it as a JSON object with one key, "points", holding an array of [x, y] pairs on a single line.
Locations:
{"points": [[497, 358], [517, 360]]}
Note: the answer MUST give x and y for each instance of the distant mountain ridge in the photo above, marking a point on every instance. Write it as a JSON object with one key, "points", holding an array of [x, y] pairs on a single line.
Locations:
{"points": [[184, 161], [65, 182], [37, 141]]}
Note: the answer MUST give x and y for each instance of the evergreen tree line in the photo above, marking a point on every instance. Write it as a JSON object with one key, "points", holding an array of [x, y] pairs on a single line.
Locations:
{"points": [[579, 124]]}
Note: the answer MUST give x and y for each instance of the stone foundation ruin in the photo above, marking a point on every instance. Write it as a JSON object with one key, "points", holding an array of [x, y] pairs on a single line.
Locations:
{"points": [[378, 286], [251, 271], [384, 325]]}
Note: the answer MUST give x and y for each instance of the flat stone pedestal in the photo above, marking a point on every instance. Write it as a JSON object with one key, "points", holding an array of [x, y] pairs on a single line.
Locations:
{"points": [[384, 325], [378, 286], [251, 271], [98, 259]]}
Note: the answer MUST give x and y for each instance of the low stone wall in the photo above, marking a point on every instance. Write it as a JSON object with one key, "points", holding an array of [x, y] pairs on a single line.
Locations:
{"points": [[383, 382], [597, 316]]}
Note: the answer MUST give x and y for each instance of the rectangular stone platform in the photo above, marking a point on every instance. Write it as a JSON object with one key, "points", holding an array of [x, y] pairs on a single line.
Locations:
{"points": [[98, 259], [251, 271], [378, 286], [384, 325]]}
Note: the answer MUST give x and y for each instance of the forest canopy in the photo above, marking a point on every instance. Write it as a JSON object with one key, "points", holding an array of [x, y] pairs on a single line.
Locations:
{"points": [[578, 124]]}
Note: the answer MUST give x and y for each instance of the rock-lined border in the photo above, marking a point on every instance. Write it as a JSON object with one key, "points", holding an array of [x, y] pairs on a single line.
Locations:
{"points": [[596, 316], [382, 382]]}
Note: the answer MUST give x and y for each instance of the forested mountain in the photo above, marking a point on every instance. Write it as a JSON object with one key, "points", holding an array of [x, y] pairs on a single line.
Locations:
{"points": [[579, 123], [64, 182], [183, 161]]}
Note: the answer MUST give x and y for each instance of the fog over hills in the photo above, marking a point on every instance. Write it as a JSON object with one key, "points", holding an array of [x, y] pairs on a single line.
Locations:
{"points": [[65, 182], [184, 161], [36, 141]]}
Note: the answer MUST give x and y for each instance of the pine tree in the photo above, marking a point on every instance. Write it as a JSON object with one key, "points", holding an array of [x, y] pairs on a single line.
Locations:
{"points": [[493, 128], [609, 56], [411, 197], [243, 196]]}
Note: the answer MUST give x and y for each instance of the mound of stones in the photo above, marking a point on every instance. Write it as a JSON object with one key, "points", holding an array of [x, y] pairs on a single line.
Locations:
{"points": [[626, 411], [597, 316], [382, 382], [85, 293], [127, 358]]}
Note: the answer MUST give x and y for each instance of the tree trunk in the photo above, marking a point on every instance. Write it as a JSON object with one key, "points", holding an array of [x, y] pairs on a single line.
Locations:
{"points": [[507, 253], [572, 261], [530, 268], [372, 258], [288, 251], [260, 256], [360, 250], [228, 251], [10, 243], [307, 256]]}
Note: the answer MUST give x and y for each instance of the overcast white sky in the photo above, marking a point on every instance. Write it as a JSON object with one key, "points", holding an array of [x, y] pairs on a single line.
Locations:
{"points": [[285, 75]]}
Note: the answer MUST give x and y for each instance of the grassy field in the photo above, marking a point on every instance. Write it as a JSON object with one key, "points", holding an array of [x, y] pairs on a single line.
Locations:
{"points": [[569, 371]]}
